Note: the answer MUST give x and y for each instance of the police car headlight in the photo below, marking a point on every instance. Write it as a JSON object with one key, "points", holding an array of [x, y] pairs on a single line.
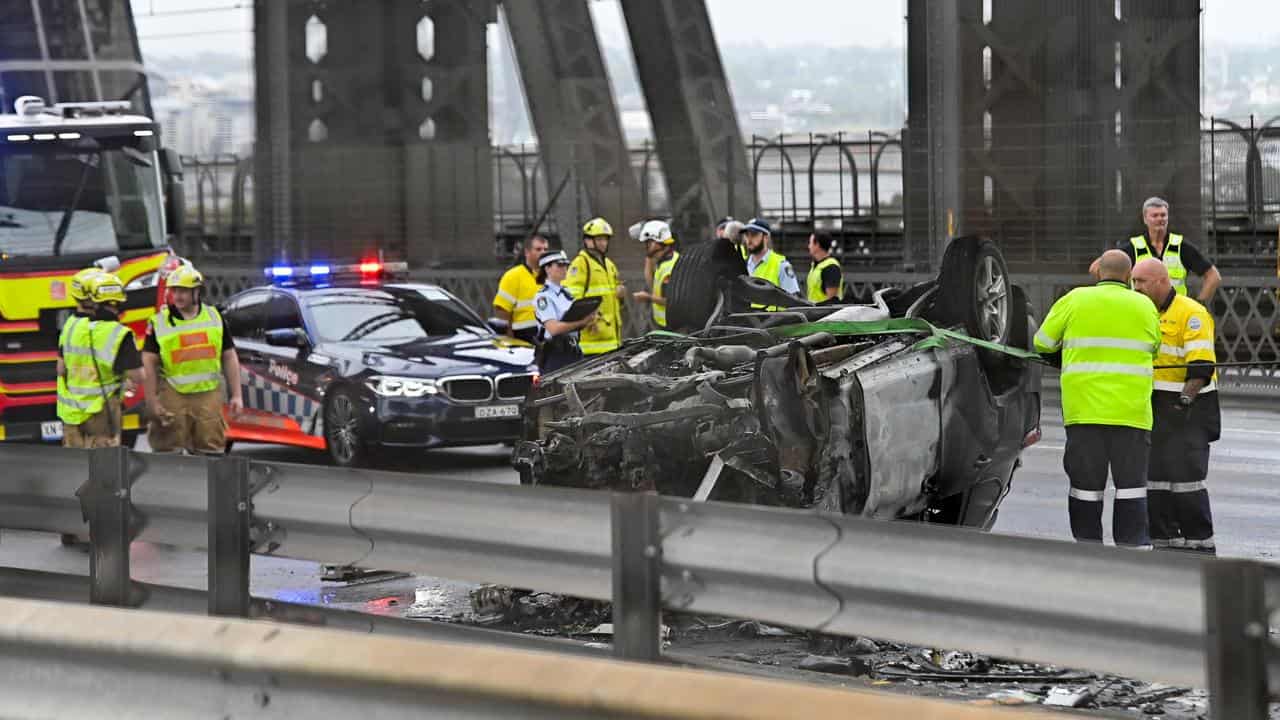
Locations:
{"points": [[142, 282], [388, 386]]}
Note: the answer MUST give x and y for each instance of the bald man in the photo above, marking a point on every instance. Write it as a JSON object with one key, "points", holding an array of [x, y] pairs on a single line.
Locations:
{"points": [[1108, 336], [1186, 414]]}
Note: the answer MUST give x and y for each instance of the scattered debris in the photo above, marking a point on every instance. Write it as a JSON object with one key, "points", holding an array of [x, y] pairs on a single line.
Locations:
{"points": [[352, 575], [1014, 697], [865, 646], [837, 665]]}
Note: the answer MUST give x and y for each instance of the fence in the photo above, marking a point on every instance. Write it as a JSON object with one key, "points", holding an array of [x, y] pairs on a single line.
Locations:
{"points": [[1246, 310], [849, 184], [1164, 617]]}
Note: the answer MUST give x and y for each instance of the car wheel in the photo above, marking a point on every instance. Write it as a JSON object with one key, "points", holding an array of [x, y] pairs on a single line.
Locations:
{"points": [[974, 290], [342, 430], [695, 286]]}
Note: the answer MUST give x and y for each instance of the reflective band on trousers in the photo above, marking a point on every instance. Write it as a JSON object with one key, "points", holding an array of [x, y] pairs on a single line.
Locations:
{"points": [[1086, 495], [1177, 487], [1110, 368], [1108, 342], [1131, 493]]}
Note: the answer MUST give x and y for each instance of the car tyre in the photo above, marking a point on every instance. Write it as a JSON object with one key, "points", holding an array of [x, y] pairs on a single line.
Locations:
{"points": [[695, 283], [342, 439], [974, 290]]}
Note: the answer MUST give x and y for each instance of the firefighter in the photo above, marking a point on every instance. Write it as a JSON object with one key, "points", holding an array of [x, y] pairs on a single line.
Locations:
{"points": [[660, 253], [187, 354], [1108, 336], [97, 361], [592, 273], [558, 343], [1186, 415], [825, 283]]}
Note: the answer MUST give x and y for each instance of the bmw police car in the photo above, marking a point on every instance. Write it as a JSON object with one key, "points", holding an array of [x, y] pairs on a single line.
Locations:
{"points": [[348, 360]]}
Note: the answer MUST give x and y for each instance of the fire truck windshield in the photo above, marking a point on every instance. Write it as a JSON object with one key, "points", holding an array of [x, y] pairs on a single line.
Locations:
{"points": [[61, 200]]}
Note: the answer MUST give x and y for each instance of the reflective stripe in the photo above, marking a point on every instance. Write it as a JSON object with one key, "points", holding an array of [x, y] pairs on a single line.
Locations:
{"points": [[78, 404], [506, 296], [601, 290], [1170, 386], [1171, 350], [90, 388], [1108, 368], [524, 325], [1197, 345], [70, 349], [1159, 486], [524, 304], [1043, 341], [164, 329], [1086, 495], [1131, 493], [1188, 487], [1108, 342], [1136, 547], [179, 380], [1205, 544]]}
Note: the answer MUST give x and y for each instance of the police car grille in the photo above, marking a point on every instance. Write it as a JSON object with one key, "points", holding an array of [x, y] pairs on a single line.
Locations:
{"points": [[514, 387], [468, 389]]}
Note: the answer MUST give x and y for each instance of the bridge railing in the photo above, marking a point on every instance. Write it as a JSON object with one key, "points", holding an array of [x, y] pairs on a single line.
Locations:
{"points": [[1164, 617]]}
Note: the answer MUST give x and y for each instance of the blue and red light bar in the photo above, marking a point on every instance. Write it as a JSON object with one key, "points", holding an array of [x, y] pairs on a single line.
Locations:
{"points": [[324, 272]]}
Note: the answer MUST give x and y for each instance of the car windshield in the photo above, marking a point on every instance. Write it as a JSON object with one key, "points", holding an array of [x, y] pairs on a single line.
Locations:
{"points": [[391, 316], [57, 200]]}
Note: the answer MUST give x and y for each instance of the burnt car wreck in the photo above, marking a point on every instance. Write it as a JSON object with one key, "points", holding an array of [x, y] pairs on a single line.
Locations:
{"points": [[916, 405]]}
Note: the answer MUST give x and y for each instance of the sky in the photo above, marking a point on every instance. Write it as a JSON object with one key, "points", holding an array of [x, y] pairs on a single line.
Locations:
{"points": [[169, 27]]}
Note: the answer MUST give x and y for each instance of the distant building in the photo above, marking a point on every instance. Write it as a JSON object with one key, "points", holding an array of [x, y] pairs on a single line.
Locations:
{"points": [[203, 118]]}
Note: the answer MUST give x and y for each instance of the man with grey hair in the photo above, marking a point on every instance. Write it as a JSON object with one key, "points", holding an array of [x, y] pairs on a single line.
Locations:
{"points": [[1178, 255]]}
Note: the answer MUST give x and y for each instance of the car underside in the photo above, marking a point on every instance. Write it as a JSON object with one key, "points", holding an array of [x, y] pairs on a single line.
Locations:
{"points": [[915, 405]]}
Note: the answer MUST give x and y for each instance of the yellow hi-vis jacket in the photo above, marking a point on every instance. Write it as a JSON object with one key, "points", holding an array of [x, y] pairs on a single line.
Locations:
{"points": [[1186, 336], [661, 275], [1109, 336], [190, 350], [588, 277], [1172, 258], [816, 292], [89, 350], [516, 291]]}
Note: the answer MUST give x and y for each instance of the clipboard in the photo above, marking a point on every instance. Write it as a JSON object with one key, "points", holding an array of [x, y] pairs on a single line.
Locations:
{"points": [[581, 308]]}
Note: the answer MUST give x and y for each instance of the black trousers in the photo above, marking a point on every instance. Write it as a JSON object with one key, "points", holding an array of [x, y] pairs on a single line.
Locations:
{"points": [[1177, 499], [1091, 451]]}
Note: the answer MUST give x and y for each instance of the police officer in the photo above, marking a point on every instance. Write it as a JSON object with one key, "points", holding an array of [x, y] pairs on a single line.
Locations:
{"points": [[189, 348], [826, 278], [514, 301], [97, 360], [660, 253], [1178, 255], [1107, 336], [1186, 416], [592, 273], [558, 343], [763, 262]]}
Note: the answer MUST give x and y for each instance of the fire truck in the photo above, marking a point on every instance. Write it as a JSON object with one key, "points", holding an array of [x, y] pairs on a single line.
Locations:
{"points": [[80, 183]]}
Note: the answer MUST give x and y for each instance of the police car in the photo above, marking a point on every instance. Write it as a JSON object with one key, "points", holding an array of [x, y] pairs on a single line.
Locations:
{"points": [[348, 360]]}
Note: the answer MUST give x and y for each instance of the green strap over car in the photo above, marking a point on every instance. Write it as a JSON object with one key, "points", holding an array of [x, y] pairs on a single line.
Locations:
{"points": [[936, 336]]}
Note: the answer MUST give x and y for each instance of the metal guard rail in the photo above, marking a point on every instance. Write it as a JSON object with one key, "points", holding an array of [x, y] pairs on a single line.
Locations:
{"points": [[1159, 616]]}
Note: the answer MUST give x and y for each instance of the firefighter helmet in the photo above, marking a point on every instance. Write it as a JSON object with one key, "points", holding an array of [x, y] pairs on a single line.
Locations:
{"points": [[79, 289], [185, 276], [106, 287], [657, 231], [596, 227]]}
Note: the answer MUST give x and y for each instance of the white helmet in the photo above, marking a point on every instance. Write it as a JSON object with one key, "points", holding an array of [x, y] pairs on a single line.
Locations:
{"points": [[658, 231]]}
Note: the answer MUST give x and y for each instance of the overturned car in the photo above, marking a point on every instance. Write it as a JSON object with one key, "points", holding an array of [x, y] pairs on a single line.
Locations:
{"points": [[915, 405]]}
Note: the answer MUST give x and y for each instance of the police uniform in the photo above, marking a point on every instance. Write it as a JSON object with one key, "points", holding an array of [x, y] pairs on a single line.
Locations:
{"points": [[190, 381], [551, 303], [1178, 499], [516, 291], [1108, 336], [97, 353]]}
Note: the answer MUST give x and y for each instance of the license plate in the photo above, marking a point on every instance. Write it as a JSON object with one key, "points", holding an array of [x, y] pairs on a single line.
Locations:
{"points": [[497, 411], [51, 430]]}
